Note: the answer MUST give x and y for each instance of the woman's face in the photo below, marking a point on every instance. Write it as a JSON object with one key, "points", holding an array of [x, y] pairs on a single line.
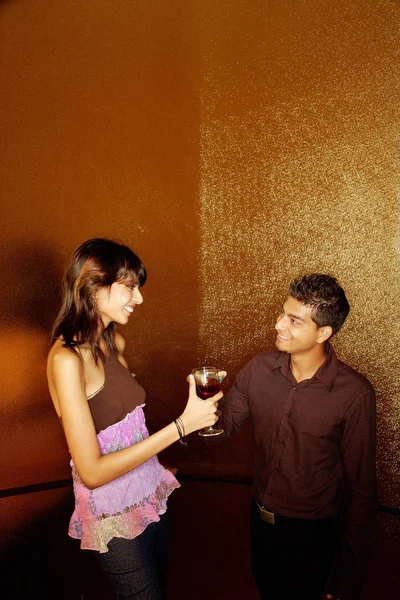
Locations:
{"points": [[118, 302]]}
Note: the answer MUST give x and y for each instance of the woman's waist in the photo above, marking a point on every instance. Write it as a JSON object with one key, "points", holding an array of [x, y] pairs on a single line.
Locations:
{"points": [[144, 482]]}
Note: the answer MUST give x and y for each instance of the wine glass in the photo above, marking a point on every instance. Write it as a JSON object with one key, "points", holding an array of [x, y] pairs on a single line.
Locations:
{"points": [[208, 383]]}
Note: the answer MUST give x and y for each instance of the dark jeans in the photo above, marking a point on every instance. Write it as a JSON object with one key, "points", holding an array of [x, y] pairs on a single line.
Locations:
{"points": [[136, 568], [293, 558]]}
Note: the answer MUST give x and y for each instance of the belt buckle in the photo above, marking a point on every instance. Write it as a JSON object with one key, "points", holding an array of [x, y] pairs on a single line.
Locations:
{"points": [[266, 515]]}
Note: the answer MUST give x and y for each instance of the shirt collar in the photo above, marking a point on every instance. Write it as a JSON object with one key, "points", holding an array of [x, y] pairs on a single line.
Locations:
{"points": [[326, 373], [283, 363]]}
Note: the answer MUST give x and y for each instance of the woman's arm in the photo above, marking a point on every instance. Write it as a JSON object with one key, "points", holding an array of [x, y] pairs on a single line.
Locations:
{"points": [[66, 374]]}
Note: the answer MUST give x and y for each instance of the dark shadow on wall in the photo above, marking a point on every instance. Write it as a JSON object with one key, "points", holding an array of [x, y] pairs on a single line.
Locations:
{"points": [[33, 540], [31, 274], [37, 558], [32, 446], [3, 2]]}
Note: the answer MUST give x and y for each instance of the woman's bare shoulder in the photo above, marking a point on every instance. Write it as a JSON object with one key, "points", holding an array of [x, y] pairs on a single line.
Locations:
{"points": [[65, 374], [60, 356]]}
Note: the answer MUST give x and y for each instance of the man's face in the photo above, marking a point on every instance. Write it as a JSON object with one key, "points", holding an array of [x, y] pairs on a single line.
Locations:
{"points": [[296, 331]]}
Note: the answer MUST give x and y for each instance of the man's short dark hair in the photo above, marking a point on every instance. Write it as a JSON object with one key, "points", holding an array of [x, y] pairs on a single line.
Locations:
{"points": [[325, 296]]}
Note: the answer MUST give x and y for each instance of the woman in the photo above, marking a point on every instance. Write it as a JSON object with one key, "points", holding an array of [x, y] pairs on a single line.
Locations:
{"points": [[120, 488]]}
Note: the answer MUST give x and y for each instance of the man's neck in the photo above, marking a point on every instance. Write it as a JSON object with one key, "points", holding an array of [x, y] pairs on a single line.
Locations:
{"points": [[304, 366]]}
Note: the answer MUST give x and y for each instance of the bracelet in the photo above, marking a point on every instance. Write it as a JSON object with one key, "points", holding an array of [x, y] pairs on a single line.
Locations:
{"points": [[182, 426], [181, 430]]}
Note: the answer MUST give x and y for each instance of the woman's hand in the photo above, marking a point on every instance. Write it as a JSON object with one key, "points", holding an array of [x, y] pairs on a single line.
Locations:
{"points": [[199, 413]]}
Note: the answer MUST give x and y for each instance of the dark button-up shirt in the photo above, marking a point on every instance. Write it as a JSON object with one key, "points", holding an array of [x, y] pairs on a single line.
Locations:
{"points": [[314, 450]]}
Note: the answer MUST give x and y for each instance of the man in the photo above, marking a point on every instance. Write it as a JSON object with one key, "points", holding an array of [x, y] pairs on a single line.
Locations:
{"points": [[313, 427]]}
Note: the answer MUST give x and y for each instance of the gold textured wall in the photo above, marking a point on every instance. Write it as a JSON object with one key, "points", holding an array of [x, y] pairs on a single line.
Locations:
{"points": [[300, 173], [234, 145]]}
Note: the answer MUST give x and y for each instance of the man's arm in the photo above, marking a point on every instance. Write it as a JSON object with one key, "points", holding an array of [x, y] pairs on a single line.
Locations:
{"points": [[360, 499], [234, 407]]}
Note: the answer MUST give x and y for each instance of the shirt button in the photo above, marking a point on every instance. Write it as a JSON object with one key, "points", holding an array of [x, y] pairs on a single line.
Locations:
{"points": [[287, 415], [276, 468], [282, 442], [269, 493]]}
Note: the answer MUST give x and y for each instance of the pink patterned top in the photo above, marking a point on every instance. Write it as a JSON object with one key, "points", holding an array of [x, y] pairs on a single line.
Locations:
{"points": [[125, 506]]}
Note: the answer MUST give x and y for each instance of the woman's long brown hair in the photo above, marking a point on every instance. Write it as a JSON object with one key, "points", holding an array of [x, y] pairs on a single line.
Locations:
{"points": [[96, 264]]}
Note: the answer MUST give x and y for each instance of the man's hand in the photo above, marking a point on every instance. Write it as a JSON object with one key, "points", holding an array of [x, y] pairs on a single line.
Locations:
{"points": [[330, 597]]}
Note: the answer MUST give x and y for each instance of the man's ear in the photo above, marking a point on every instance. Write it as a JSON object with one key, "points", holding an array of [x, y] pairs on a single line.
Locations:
{"points": [[324, 333]]}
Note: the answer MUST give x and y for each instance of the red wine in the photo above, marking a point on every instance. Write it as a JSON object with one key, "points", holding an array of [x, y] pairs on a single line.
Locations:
{"points": [[208, 389]]}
